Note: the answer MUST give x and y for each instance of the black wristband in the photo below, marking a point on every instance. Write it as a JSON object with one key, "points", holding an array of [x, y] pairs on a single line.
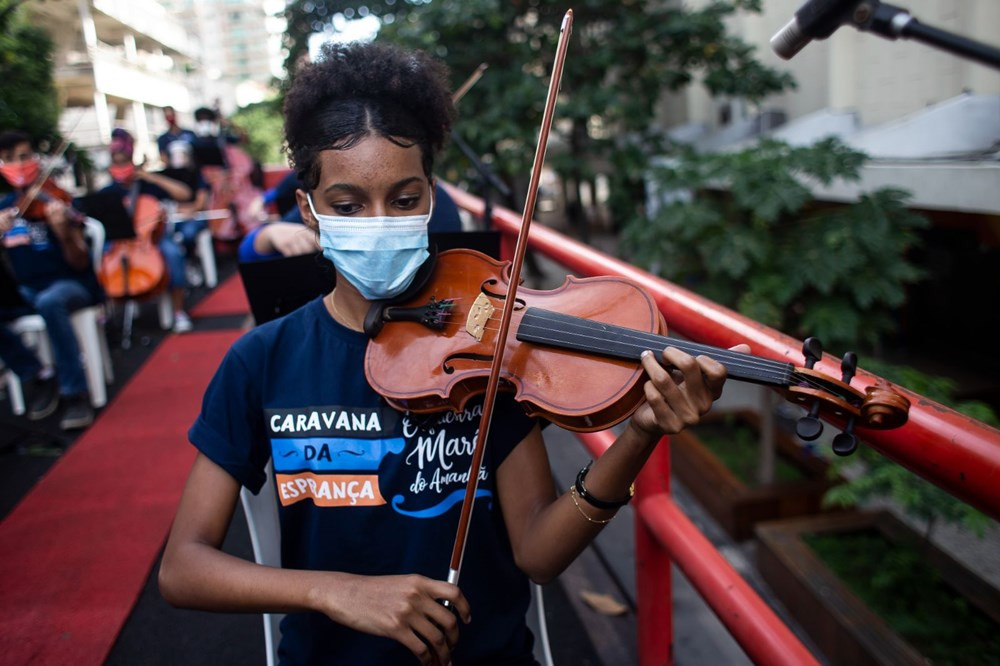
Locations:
{"points": [[581, 490]]}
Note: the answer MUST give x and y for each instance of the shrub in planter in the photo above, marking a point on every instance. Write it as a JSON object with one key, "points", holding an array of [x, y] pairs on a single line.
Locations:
{"points": [[870, 590], [716, 461]]}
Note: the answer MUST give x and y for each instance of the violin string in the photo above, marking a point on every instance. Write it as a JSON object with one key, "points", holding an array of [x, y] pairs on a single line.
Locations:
{"points": [[737, 360], [641, 340]]}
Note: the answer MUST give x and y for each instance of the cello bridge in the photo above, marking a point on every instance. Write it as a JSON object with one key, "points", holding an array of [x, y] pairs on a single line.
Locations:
{"points": [[479, 314]]}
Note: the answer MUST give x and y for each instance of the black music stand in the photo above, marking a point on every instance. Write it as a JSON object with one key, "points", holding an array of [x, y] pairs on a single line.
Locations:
{"points": [[108, 208]]}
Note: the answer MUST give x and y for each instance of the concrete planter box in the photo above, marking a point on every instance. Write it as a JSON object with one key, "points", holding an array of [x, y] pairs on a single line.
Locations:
{"points": [[733, 503], [844, 629]]}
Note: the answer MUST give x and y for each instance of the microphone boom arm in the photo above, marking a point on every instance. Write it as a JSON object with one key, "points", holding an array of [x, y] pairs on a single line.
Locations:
{"points": [[818, 19]]}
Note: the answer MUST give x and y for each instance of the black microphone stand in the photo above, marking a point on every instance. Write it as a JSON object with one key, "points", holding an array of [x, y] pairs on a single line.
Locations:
{"points": [[895, 22], [487, 179]]}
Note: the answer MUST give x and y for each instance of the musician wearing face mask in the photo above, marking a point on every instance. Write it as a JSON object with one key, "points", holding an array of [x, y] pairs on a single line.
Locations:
{"points": [[368, 494], [174, 132], [43, 240], [129, 180], [180, 166]]}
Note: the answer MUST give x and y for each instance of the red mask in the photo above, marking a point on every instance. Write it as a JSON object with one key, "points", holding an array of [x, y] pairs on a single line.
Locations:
{"points": [[122, 173], [21, 174]]}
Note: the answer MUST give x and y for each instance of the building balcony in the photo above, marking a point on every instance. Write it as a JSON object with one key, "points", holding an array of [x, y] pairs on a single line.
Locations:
{"points": [[145, 18], [106, 70]]}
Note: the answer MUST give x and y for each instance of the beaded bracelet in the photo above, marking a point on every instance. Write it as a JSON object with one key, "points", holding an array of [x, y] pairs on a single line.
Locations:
{"points": [[581, 490], [572, 492]]}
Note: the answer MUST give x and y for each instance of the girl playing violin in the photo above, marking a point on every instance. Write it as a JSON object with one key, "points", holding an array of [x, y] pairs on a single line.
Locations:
{"points": [[369, 495], [43, 239]]}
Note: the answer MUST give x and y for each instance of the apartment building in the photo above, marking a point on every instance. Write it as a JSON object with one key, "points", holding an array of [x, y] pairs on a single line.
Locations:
{"points": [[117, 62]]}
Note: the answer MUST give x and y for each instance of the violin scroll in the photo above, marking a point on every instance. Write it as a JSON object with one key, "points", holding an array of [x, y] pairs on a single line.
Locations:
{"points": [[879, 407]]}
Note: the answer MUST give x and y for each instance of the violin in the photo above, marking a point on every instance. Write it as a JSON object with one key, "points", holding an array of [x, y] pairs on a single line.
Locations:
{"points": [[574, 355], [31, 205], [134, 268]]}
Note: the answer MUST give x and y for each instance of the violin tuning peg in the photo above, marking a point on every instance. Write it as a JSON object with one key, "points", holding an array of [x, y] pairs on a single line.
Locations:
{"points": [[846, 442], [809, 427], [848, 366], [812, 349]]}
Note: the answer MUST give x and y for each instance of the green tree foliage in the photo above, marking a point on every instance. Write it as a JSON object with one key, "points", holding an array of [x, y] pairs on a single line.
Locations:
{"points": [[28, 98], [262, 124], [623, 57], [753, 238]]}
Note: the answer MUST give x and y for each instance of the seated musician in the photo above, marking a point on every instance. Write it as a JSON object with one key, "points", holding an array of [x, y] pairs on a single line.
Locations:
{"points": [[127, 177], [181, 166], [174, 132], [365, 491], [51, 262]]}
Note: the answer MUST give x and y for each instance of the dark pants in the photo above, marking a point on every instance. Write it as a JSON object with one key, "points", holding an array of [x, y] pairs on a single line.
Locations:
{"points": [[55, 304]]}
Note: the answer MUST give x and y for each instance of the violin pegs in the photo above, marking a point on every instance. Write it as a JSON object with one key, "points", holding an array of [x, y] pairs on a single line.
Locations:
{"points": [[809, 427], [846, 442], [812, 349], [848, 366]]}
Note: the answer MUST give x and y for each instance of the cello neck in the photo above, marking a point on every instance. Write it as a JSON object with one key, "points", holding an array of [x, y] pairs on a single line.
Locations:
{"points": [[554, 329]]}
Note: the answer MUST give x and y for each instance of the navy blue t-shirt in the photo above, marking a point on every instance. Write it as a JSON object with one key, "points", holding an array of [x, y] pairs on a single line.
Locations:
{"points": [[363, 488], [36, 255]]}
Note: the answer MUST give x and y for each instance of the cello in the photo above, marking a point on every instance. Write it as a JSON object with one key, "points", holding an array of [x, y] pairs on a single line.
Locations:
{"points": [[134, 268]]}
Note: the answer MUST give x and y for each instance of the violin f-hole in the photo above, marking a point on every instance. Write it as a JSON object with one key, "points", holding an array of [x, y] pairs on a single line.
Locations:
{"points": [[519, 303], [448, 367]]}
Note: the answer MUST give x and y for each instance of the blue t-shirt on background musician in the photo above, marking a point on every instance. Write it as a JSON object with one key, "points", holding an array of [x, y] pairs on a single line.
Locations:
{"points": [[363, 488], [36, 255]]}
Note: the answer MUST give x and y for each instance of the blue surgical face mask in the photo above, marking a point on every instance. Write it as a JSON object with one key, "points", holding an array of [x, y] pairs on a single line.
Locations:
{"points": [[378, 255]]}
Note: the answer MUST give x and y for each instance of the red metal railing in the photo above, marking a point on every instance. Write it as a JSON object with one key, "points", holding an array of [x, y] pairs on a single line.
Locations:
{"points": [[955, 452]]}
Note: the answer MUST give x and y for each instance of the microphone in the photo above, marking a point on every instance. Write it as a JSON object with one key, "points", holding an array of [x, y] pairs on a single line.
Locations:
{"points": [[816, 19]]}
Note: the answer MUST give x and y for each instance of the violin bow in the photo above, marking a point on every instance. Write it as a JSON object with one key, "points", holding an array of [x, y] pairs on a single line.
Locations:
{"points": [[457, 96], [36, 188], [492, 386]]}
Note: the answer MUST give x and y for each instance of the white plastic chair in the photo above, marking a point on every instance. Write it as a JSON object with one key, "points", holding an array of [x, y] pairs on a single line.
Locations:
{"points": [[265, 536], [261, 512], [88, 326]]}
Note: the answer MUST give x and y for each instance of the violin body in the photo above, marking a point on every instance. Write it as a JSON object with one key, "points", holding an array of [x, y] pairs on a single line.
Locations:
{"points": [[134, 268], [574, 358], [420, 369], [32, 205]]}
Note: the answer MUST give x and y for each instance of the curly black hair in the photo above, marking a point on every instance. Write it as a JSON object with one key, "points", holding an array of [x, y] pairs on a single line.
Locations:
{"points": [[360, 89]]}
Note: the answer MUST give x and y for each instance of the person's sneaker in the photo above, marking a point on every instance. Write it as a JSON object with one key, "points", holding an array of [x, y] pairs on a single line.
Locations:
{"points": [[78, 412], [182, 322], [42, 397]]}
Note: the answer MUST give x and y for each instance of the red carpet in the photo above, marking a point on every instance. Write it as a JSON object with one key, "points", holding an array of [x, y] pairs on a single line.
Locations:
{"points": [[228, 298], [76, 552]]}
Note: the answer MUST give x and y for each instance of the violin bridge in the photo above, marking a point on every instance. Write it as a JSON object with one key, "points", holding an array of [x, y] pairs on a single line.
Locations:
{"points": [[479, 314]]}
